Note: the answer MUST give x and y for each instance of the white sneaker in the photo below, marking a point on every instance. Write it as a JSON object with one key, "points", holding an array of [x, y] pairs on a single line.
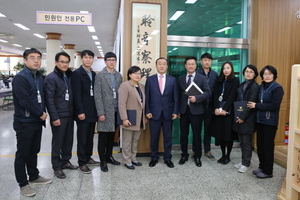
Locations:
{"points": [[238, 165], [243, 169]]}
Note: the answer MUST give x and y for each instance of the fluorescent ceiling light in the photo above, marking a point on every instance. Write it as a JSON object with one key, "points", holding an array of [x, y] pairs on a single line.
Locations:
{"points": [[223, 29], [99, 47], [27, 48], [21, 26], [168, 25], [17, 45], [176, 15], [97, 43], [91, 29], [38, 35], [84, 11], [240, 22], [94, 37], [154, 32], [190, 1], [1, 15], [4, 41]]}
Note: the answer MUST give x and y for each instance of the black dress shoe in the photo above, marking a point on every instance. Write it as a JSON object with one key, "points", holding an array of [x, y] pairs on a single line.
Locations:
{"points": [[103, 166], [59, 174], [221, 160], [129, 166], [112, 161], [182, 160], [153, 163], [198, 162], [169, 163], [137, 163], [225, 161], [69, 166]]}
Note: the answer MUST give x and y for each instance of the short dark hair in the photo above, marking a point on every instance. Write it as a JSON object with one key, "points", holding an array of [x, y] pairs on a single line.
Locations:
{"points": [[253, 68], [87, 52], [206, 55], [190, 58], [61, 54], [110, 55], [222, 76], [132, 70], [271, 69], [159, 59], [29, 51]]}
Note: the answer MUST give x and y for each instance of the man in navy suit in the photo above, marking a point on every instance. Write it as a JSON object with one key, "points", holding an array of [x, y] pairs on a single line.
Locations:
{"points": [[161, 108], [86, 117], [191, 110]]}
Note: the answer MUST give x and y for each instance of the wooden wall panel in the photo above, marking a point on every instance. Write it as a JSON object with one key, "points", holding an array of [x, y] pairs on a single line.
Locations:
{"points": [[144, 142], [275, 40]]}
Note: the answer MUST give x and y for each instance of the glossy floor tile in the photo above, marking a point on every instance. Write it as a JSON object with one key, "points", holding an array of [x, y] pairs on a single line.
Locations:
{"points": [[211, 181]]}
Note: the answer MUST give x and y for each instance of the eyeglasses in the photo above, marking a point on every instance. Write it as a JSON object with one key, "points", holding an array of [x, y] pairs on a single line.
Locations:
{"points": [[249, 72], [110, 60], [64, 62], [137, 73]]}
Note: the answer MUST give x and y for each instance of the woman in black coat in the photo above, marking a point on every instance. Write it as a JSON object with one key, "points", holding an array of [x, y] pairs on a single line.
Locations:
{"points": [[223, 97], [245, 123]]}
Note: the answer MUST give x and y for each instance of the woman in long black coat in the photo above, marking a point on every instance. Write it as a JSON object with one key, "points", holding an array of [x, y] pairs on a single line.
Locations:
{"points": [[221, 124], [245, 123]]}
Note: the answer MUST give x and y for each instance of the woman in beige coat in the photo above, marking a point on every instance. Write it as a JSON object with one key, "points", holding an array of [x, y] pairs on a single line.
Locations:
{"points": [[132, 97]]}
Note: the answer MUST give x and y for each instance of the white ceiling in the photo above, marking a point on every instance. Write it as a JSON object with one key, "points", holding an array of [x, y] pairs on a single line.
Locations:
{"points": [[104, 19]]}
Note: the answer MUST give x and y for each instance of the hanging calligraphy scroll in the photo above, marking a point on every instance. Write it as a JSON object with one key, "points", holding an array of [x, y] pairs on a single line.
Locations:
{"points": [[145, 37]]}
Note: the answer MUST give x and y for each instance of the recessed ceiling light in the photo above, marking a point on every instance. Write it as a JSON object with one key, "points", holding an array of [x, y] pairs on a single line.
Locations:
{"points": [[17, 45], [223, 29], [38, 35], [99, 47], [1, 15], [21, 26], [97, 43], [176, 15], [190, 1], [94, 37], [27, 48], [84, 11], [4, 41], [91, 29]]}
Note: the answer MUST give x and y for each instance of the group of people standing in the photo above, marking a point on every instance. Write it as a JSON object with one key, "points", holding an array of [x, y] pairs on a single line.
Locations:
{"points": [[88, 98]]}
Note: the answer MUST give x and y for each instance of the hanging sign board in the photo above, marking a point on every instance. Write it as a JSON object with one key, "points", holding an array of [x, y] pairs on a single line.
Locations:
{"points": [[63, 18]]}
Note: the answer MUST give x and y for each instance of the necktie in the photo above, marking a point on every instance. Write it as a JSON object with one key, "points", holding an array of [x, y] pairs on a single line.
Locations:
{"points": [[189, 80], [160, 82]]}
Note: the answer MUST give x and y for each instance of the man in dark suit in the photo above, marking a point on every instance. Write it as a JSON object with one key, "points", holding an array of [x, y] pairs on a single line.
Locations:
{"points": [[83, 80], [161, 108], [191, 110]]}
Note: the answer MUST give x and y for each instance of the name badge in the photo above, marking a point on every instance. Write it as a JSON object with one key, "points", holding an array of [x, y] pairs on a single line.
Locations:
{"points": [[67, 97], [39, 98]]}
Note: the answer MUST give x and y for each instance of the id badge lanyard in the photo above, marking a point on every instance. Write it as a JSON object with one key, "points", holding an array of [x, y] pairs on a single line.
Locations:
{"points": [[91, 90], [39, 97], [223, 89], [262, 92], [67, 89]]}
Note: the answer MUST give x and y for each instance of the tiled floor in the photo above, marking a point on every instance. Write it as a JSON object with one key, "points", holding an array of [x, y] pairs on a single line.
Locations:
{"points": [[211, 181]]}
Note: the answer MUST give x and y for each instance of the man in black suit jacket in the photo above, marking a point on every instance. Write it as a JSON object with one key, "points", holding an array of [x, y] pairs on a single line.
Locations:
{"points": [[83, 80], [161, 108], [191, 110]]}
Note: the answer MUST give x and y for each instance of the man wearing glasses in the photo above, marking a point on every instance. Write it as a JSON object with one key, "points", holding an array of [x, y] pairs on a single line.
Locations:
{"points": [[106, 98], [59, 102]]}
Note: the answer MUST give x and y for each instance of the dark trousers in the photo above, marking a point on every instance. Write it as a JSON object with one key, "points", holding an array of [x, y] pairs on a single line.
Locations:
{"points": [[105, 145], [62, 142], [85, 139], [246, 148], [28, 146], [196, 123], [265, 147], [207, 136], [155, 127]]}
